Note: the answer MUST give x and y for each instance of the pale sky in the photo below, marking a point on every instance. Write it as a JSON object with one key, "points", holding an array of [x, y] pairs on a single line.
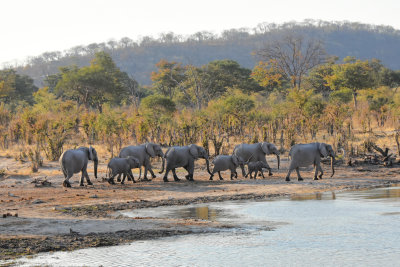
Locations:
{"points": [[31, 27]]}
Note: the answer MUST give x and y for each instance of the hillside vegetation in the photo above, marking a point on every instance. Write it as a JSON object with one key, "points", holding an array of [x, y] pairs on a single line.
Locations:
{"points": [[138, 58]]}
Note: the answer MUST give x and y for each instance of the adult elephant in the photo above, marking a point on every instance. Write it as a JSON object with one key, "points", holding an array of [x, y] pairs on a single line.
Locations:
{"points": [[256, 152], [184, 156], [143, 153], [303, 155], [76, 160]]}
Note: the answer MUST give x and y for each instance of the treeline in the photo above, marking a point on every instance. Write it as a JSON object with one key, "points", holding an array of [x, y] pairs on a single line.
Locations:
{"points": [[215, 104], [138, 57]]}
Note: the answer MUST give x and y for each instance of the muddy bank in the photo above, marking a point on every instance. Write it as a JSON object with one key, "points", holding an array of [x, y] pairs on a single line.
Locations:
{"points": [[105, 210], [17, 247]]}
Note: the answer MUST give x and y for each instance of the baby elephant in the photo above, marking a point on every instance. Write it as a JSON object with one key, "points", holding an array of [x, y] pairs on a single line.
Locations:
{"points": [[226, 162], [256, 167], [122, 166]]}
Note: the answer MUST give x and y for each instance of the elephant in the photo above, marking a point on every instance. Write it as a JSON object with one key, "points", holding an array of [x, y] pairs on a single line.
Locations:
{"points": [[256, 167], [76, 160], [303, 155], [122, 166], [226, 162], [256, 152], [183, 156], [143, 153]]}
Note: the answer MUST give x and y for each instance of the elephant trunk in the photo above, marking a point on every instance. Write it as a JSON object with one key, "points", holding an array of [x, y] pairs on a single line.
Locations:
{"points": [[279, 160], [96, 163], [208, 166], [332, 162], [163, 164]]}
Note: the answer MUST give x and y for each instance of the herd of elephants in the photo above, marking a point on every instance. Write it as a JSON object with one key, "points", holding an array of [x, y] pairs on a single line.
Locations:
{"points": [[253, 155]]}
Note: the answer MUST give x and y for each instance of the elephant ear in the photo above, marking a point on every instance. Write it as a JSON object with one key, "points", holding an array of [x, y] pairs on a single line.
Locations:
{"points": [[264, 147], [150, 150], [193, 151], [235, 160], [322, 150]]}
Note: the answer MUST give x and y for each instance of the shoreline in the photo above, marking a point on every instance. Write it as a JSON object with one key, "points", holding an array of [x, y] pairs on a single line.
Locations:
{"points": [[14, 247], [53, 218]]}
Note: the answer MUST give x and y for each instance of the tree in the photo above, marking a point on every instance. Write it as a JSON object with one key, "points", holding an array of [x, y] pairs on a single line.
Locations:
{"points": [[293, 56], [353, 74], [94, 85], [167, 78], [15, 87]]}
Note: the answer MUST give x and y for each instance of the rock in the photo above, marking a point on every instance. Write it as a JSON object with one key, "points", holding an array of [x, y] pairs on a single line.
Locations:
{"points": [[37, 201]]}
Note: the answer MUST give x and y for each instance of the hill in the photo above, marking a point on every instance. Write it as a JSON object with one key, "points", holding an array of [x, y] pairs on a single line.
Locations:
{"points": [[138, 59]]}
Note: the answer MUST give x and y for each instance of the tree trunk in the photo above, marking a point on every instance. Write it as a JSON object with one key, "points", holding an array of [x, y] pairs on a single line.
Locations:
{"points": [[355, 99]]}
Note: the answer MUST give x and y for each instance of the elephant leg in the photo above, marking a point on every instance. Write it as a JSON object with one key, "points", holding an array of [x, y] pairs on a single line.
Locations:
{"points": [[262, 174], [255, 174], [232, 174], [220, 177], [165, 179], [288, 175], [119, 178], [123, 178], [236, 175], [187, 176], [268, 167], [131, 175], [111, 179], [87, 178], [243, 171], [316, 172], [299, 178], [66, 181], [151, 171], [175, 176], [320, 170], [145, 174], [191, 170], [212, 175], [82, 179]]}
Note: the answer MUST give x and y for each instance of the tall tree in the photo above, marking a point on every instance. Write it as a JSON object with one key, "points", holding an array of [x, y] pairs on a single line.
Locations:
{"points": [[293, 56], [15, 87], [168, 76], [353, 74], [94, 85]]}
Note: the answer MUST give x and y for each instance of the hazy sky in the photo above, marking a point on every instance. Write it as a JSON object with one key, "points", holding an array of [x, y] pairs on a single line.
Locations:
{"points": [[31, 27]]}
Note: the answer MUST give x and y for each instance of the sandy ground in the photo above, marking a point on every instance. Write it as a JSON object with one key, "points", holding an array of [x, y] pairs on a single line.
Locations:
{"points": [[53, 218]]}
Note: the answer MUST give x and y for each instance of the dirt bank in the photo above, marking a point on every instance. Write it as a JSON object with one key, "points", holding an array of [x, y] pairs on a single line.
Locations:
{"points": [[52, 218]]}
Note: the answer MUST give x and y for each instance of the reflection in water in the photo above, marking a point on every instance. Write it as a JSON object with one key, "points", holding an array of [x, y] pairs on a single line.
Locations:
{"points": [[342, 229], [202, 212], [316, 196]]}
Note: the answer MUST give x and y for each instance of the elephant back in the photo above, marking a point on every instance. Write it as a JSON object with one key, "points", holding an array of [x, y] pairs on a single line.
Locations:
{"points": [[138, 152], [249, 152]]}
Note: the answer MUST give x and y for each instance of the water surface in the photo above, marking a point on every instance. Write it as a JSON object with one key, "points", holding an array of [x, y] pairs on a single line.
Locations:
{"points": [[359, 228]]}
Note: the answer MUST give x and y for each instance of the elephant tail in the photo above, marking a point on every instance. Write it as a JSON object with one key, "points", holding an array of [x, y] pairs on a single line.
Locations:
{"points": [[62, 161]]}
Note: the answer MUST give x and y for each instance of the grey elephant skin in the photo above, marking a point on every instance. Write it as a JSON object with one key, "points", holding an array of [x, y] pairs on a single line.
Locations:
{"points": [[256, 152], [143, 153], [122, 166], [76, 160], [183, 156], [303, 155], [255, 167], [226, 162]]}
